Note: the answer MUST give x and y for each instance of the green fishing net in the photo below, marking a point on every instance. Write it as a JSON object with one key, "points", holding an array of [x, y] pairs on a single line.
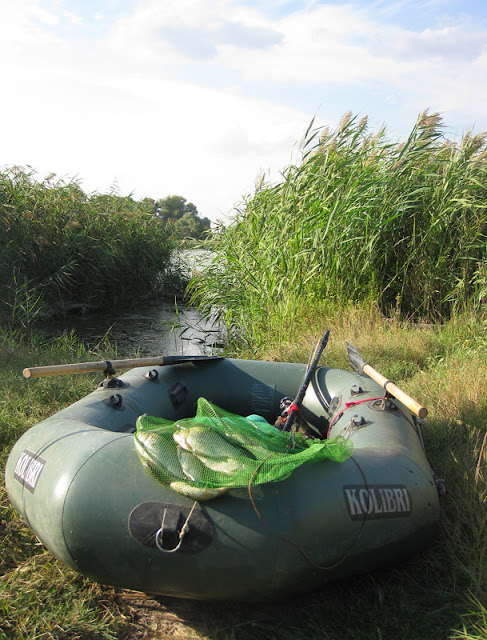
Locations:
{"points": [[215, 451]]}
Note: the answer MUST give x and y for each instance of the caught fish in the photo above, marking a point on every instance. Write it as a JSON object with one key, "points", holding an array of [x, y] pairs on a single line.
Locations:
{"points": [[206, 442], [195, 493], [249, 443], [162, 459], [192, 467], [227, 466]]}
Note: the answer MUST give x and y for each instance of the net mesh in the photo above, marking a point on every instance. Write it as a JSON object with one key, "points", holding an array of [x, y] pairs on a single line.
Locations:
{"points": [[216, 450]]}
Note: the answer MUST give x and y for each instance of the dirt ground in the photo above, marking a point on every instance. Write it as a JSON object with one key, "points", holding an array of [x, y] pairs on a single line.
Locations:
{"points": [[158, 618]]}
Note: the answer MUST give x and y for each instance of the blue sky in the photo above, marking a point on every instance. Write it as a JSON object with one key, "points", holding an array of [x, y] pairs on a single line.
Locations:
{"points": [[201, 97]]}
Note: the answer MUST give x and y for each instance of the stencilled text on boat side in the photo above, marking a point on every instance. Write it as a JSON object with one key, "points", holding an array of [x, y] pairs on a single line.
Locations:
{"points": [[377, 501], [28, 469], [262, 398]]}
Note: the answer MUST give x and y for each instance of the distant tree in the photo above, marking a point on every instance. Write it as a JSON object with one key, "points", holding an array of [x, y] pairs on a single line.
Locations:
{"points": [[174, 208], [182, 216]]}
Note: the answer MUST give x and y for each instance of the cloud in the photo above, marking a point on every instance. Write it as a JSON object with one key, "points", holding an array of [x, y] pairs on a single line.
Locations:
{"points": [[105, 116], [127, 102], [195, 43], [344, 44]]}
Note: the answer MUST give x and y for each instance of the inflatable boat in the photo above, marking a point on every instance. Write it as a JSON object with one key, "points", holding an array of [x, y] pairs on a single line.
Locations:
{"points": [[78, 481]]}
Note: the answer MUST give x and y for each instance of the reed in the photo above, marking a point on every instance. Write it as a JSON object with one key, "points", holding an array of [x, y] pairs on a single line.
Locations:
{"points": [[58, 245], [360, 218]]}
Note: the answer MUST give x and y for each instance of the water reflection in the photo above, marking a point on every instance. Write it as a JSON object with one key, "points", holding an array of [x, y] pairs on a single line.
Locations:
{"points": [[153, 329]]}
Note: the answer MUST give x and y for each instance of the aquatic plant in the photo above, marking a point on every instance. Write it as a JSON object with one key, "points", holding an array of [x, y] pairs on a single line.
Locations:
{"points": [[361, 217], [59, 245]]}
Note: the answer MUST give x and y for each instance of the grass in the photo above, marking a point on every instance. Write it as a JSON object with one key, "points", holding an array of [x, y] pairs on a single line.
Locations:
{"points": [[438, 595]]}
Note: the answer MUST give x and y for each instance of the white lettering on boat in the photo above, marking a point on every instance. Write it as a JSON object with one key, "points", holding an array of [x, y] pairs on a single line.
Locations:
{"points": [[28, 469], [377, 501]]}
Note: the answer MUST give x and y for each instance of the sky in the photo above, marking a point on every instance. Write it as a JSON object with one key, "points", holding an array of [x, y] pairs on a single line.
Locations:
{"points": [[201, 98]]}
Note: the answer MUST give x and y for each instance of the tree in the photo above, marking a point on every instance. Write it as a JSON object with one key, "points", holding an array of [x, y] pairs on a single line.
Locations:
{"points": [[183, 216], [174, 208]]}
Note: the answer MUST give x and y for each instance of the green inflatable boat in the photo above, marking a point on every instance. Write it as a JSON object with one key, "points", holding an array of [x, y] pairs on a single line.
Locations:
{"points": [[113, 485]]}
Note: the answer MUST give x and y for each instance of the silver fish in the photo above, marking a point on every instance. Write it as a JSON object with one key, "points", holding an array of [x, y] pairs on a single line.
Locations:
{"points": [[206, 442], [195, 493], [148, 447], [191, 466], [227, 466]]}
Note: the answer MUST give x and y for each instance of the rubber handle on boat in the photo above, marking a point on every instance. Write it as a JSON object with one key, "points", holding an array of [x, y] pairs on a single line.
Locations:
{"points": [[396, 391], [110, 365]]}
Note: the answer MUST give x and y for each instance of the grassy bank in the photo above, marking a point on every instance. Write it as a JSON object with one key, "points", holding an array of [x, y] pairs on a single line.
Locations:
{"points": [[60, 246], [374, 241], [440, 594]]}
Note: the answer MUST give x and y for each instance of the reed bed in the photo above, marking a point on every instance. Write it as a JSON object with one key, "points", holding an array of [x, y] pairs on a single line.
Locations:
{"points": [[60, 246], [361, 218]]}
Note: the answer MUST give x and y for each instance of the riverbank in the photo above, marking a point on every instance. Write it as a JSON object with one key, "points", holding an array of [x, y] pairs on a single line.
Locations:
{"points": [[440, 594]]}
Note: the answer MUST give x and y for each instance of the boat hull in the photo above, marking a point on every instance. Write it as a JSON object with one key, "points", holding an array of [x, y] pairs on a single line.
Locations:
{"points": [[79, 484]]}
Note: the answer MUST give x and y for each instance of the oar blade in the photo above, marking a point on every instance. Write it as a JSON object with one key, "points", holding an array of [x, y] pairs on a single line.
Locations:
{"points": [[195, 359], [356, 361]]}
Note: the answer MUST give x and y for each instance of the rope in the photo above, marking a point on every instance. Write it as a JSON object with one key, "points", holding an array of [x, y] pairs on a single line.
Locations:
{"points": [[295, 544], [293, 407], [348, 405]]}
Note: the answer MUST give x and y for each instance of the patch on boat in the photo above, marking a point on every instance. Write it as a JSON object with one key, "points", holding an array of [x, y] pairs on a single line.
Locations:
{"points": [[28, 469], [262, 398], [377, 501], [165, 521]]}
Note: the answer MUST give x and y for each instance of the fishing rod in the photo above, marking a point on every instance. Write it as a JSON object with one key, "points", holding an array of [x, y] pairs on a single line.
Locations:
{"points": [[295, 407]]}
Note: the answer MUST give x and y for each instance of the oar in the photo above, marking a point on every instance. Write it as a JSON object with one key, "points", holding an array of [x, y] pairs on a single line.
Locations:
{"points": [[359, 365], [295, 407], [111, 365]]}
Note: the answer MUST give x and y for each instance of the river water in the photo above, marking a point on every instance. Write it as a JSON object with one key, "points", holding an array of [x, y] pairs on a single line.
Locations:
{"points": [[153, 328]]}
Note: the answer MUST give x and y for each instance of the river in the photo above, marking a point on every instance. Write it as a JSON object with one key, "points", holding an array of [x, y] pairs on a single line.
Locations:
{"points": [[153, 328]]}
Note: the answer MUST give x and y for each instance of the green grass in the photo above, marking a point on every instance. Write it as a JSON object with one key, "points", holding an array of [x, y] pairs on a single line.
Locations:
{"points": [[442, 593]]}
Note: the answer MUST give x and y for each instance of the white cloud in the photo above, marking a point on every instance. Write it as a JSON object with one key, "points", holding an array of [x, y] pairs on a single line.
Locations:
{"points": [[343, 44], [128, 104], [106, 117]]}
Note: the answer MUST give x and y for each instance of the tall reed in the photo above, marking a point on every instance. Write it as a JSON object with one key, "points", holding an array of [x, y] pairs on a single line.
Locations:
{"points": [[59, 244], [361, 217]]}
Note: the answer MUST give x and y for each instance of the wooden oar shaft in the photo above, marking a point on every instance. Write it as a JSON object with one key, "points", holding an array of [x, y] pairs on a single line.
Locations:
{"points": [[85, 367], [396, 391]]}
